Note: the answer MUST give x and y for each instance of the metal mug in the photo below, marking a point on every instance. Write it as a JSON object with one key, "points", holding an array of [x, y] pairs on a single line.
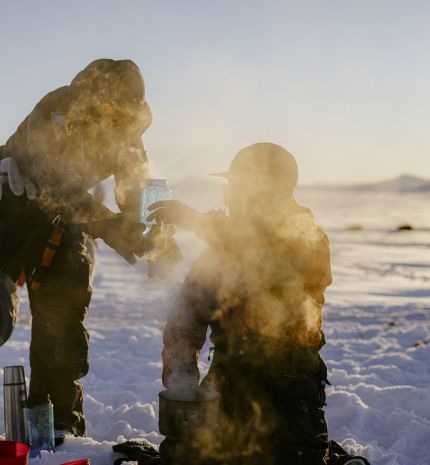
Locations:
{"points": [[180, 416]]}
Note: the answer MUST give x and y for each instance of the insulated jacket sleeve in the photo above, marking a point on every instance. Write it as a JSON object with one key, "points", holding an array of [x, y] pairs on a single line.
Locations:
{"points": [[52, 162], [318, 276], [185, 331], [214, 228]]}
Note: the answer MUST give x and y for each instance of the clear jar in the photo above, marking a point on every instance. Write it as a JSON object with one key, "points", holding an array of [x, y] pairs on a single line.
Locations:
{"points": [[41, 426], [154, 191]]}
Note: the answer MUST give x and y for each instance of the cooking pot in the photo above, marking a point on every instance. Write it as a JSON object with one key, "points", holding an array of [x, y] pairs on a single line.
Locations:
{"points": [[181, 413]]}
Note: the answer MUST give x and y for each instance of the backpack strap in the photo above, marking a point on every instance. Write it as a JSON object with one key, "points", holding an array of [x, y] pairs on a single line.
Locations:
{"points": [[40, 271]]}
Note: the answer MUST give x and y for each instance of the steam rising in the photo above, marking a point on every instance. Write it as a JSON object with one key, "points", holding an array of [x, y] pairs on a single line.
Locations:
{"points": [[260, 287], [80, 134], [272, 288]]}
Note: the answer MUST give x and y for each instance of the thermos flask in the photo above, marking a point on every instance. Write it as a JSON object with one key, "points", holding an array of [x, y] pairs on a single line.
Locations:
{"points": [[15, 399]]}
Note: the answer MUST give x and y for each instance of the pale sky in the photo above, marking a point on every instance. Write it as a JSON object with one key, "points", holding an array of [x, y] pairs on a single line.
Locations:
{"points": [[342, 84]]}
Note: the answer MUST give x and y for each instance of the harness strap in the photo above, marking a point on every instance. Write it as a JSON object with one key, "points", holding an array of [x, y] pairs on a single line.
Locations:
{"points": [[40, 271]]}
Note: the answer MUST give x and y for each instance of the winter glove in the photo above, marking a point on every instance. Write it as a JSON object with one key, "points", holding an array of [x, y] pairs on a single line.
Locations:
{"points": [[123, 235], [174, 212], [18, 183], [162, 251], [141, 451]]}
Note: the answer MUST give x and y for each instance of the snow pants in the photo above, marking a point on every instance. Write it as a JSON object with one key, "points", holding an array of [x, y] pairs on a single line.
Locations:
{"points": [[273, 419], [265, 418], [59, 340]]}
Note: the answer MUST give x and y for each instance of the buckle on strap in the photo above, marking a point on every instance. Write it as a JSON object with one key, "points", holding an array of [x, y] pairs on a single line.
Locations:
{"points": [[58, 222], [212, 349], [40, 271]]}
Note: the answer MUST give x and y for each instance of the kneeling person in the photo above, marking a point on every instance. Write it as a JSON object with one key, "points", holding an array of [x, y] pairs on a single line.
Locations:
{"points": [[260, 287]]}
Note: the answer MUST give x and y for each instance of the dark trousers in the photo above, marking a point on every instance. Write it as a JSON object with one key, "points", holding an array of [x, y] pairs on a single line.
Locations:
{"points": [[59, 340], [266, 417], [272, 418]]}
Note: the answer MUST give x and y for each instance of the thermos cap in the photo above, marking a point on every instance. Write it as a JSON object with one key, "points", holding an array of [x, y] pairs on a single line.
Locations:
{"points": [[14, 375]]}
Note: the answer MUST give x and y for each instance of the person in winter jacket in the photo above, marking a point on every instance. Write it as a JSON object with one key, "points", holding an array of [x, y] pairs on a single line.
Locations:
{"points": [[75, 137], [259, 287]]}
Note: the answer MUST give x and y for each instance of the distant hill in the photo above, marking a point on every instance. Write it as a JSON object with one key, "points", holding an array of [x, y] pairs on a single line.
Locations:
{"points": [[404, 183], [206, 193]]}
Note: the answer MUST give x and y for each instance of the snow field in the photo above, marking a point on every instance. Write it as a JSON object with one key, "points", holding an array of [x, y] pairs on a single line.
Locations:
{"points": [[376, 324]]}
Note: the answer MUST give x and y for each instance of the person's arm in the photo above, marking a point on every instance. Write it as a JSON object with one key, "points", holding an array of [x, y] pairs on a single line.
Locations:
{"points": [[213, 227], [51, 165], [185, 331], [318, 276]]}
